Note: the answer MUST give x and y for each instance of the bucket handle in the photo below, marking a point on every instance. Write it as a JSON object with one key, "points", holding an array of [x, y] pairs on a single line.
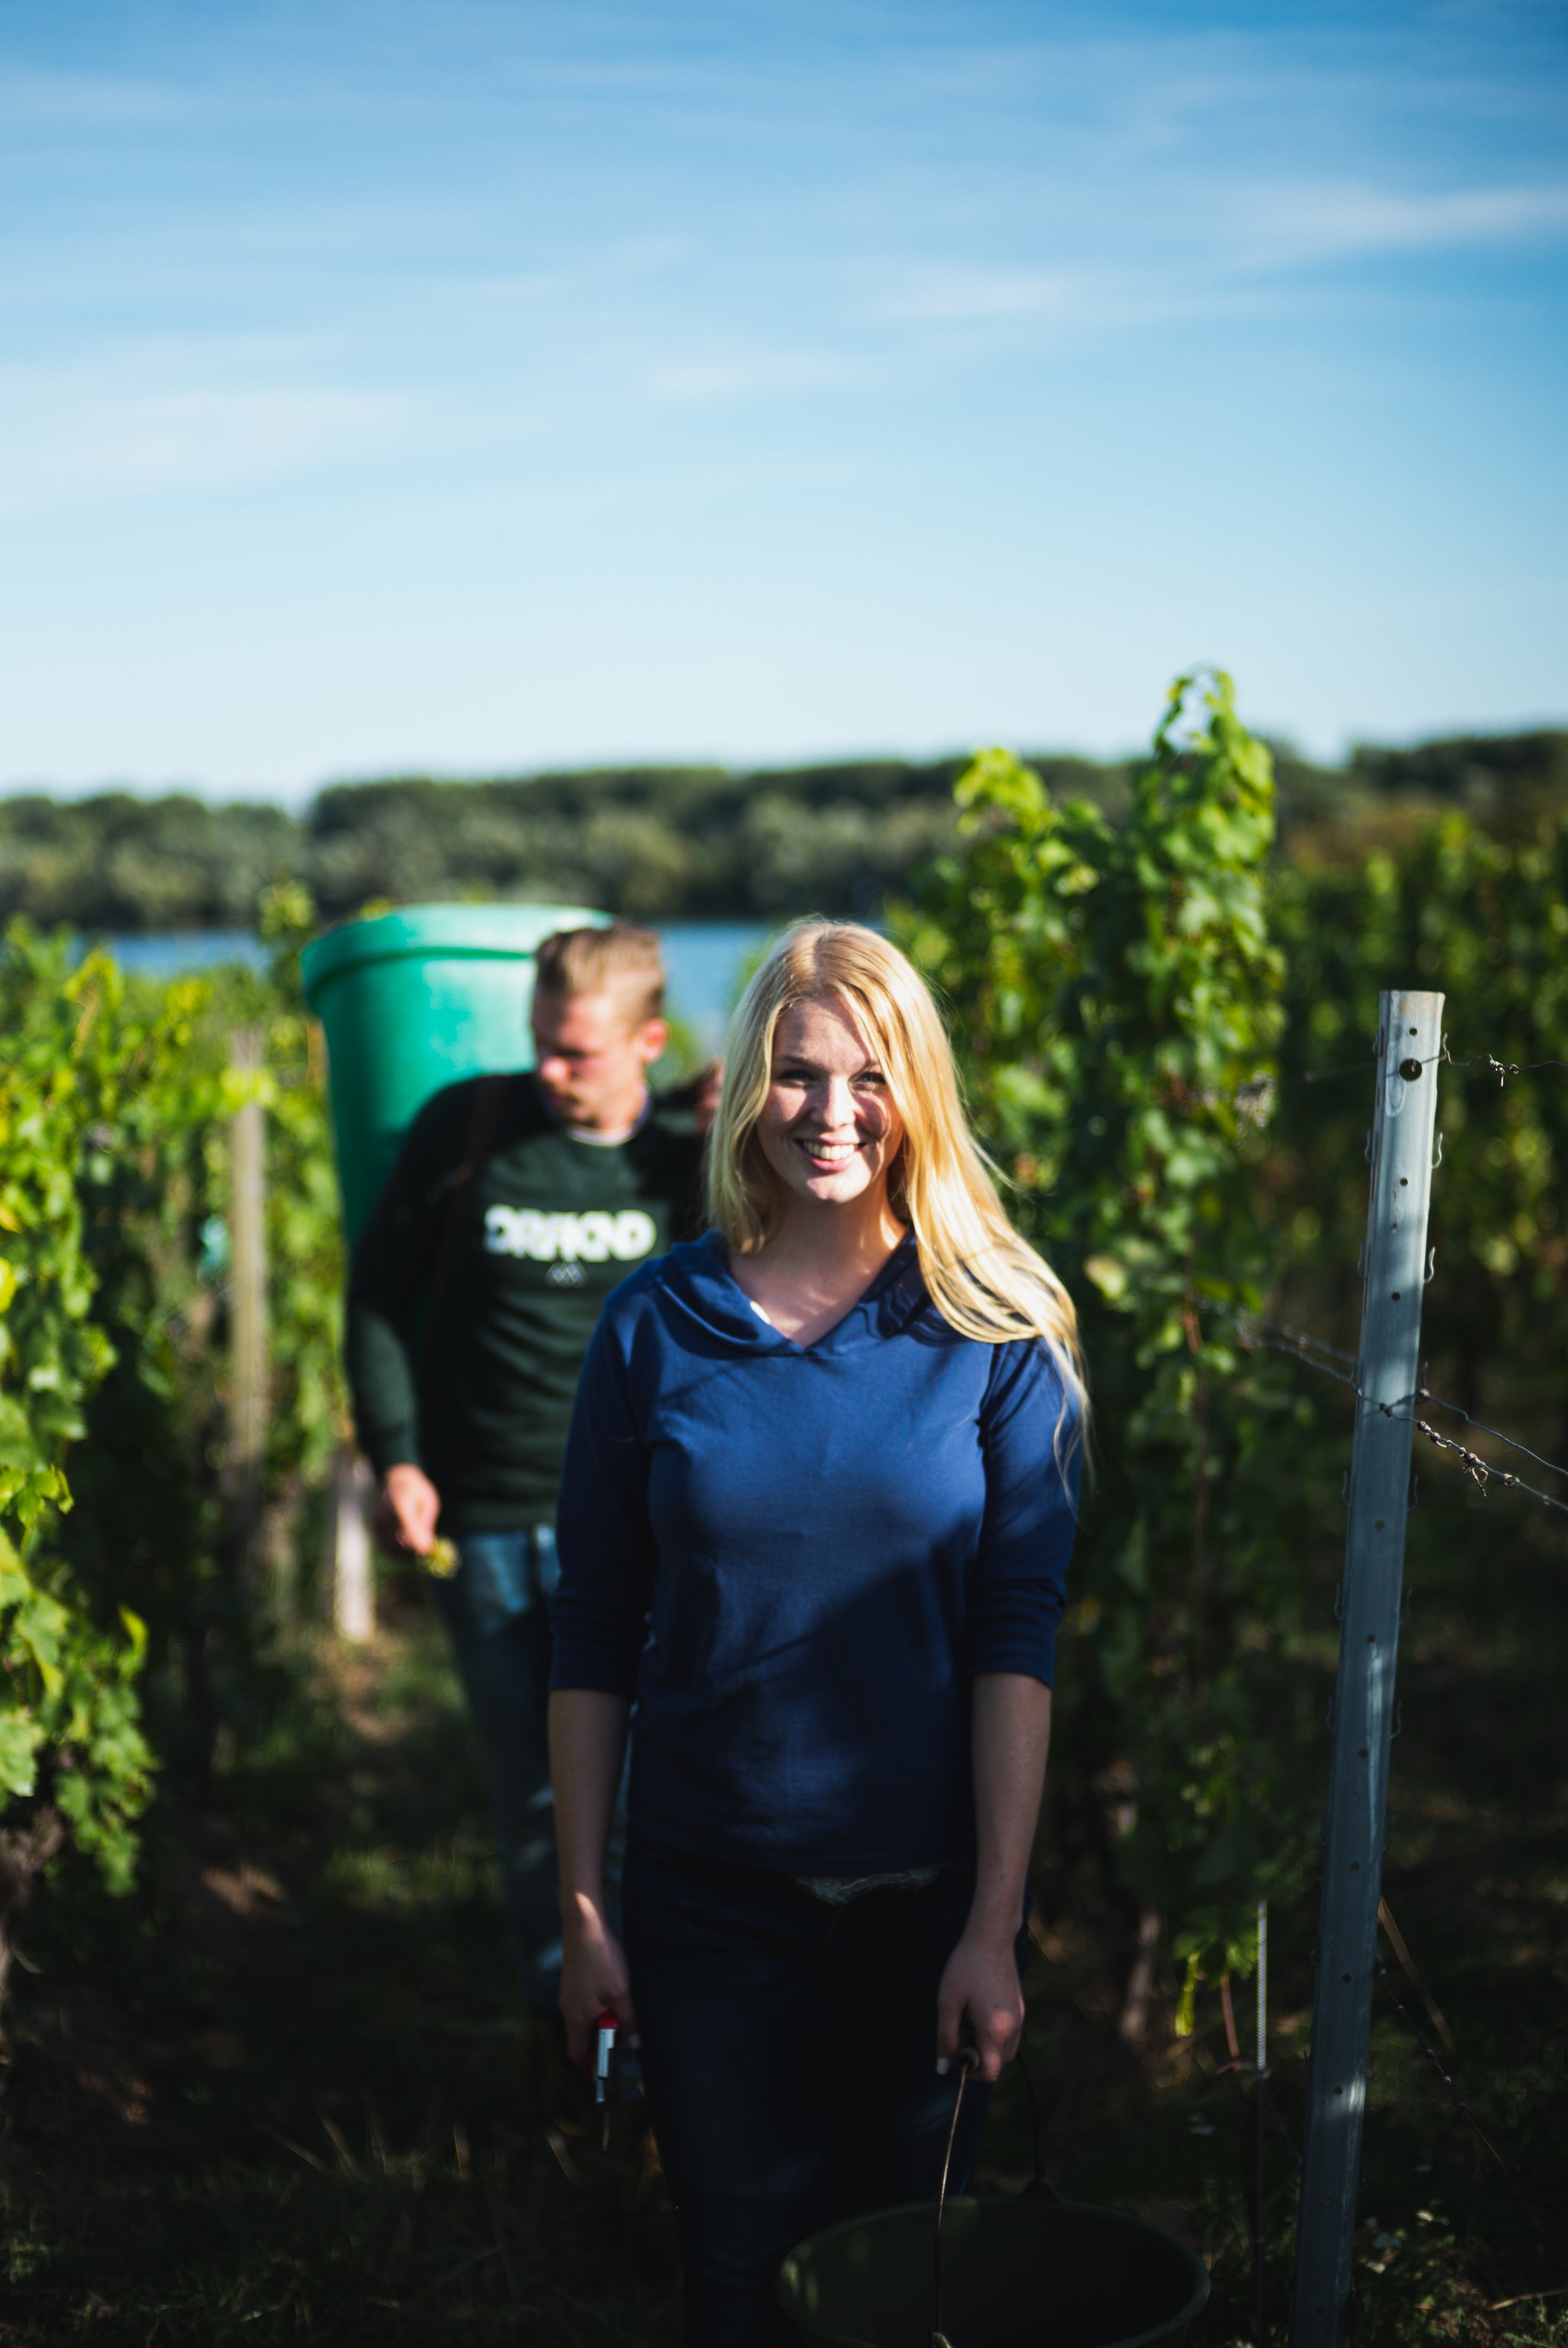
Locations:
{"points": [[967, 2061]]}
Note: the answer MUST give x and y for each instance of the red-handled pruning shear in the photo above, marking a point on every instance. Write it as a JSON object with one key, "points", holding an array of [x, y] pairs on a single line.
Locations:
{"points": [[604, 2029]]}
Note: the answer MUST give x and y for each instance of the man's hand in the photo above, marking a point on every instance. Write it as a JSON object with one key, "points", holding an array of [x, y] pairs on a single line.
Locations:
{"points": [[980, 1986], [406, 1511], [700, 1094], [705, 1103]]}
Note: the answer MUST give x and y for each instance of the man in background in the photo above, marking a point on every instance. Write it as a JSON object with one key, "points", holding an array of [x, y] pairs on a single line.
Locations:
{"points": [[514, 1205]]}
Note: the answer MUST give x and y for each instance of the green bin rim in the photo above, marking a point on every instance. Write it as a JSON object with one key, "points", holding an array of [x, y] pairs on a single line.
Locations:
{"points": [[1197, 2299], [443, 932]]}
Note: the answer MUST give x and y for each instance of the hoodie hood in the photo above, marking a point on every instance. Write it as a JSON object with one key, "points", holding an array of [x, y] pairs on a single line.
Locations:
{"points": [[697, 1278]]}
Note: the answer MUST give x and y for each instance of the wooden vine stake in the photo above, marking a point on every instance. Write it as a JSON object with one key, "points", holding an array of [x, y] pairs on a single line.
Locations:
{"points": [[1388, 1372], [353, 1572], [248, 1365]]}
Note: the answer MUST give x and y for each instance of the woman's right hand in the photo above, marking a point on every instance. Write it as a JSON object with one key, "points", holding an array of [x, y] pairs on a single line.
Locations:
{"points": [[594, 1979]]}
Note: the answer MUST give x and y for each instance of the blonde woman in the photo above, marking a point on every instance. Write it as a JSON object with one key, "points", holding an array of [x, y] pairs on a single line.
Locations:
{"points": [[814, 1523]]}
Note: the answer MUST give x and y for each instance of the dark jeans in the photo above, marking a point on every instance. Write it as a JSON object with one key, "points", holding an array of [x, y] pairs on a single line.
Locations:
{"points": [[789, 2057], [496, 1611]]}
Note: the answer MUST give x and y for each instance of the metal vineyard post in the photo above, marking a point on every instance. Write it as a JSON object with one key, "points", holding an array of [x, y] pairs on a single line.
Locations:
{"points": [[1388, 1375]]}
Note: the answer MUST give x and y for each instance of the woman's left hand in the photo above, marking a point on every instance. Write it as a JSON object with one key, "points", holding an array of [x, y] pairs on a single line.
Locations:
{"points": [[980, 1986]]}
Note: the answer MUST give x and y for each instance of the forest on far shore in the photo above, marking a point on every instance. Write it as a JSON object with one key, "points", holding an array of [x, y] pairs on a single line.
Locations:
{"points": [[668, 843]]}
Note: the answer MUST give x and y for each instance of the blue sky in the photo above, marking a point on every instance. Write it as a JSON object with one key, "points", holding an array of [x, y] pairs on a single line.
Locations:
{"points": [[471, 386]]}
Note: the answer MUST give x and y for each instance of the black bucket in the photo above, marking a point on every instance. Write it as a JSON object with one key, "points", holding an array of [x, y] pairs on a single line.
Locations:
{"points": [[1019, 2271], [1002, 2270]]}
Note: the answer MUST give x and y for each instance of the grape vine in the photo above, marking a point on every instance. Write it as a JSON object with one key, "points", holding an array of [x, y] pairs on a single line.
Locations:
{"points": [[1116, 999]]}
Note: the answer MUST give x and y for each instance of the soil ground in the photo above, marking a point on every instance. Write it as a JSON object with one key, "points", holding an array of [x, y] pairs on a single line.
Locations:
{"points": [[273, 2096]]}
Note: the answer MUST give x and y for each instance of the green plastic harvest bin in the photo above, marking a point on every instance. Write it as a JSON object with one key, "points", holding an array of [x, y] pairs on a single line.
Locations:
{"points": [[414, 1000]]}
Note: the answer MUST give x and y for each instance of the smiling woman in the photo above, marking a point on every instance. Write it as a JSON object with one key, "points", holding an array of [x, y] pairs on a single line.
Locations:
{"points": [[838, 1025], [818, 1504], [827, 1106], [828, 1133]]}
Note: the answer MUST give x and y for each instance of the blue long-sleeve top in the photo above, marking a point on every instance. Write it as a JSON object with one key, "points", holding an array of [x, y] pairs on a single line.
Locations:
{"points": [[794, 1558]]}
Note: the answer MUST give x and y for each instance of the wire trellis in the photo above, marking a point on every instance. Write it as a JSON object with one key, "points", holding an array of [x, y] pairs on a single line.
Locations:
{"points": [[1424, 1393], [1304, 1347], [1451, 2084], [1501, 1069], [1263, 1331]]}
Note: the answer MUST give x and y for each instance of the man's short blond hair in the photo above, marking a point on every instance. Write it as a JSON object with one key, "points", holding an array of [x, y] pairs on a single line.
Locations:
{"points": [[591, 962]]}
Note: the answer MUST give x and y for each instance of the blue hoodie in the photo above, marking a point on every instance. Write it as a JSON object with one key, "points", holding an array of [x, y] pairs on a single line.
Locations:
{"points": [[793, 1559]]}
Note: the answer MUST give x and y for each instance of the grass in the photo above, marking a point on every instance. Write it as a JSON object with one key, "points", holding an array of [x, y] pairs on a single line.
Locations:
{"points": [[269, 2099], [273, 2101]]}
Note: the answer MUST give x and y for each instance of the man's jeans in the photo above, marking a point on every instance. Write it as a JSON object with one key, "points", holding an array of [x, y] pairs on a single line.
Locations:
{"points": [[789, 2057], [496, 1608]]}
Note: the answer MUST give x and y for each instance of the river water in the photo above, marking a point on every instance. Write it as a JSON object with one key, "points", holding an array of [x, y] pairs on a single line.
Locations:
{"points": [[706, 959]]}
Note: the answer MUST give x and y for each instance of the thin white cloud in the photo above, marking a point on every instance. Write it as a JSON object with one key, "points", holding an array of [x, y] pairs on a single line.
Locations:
{"points": [[958, 295], [32, 100], [1339, 219], [146, 429], [587, 276], [1227, 248], [745, 375]]}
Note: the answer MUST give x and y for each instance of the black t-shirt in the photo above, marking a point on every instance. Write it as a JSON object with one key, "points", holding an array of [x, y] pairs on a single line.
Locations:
{"points": [[466, 1336]]}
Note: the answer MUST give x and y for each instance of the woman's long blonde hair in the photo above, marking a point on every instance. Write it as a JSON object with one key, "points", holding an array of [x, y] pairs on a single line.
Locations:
{"points": [[983, 1279]]}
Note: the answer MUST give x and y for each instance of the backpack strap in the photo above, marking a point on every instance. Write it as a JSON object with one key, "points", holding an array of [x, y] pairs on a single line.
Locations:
{"points": [[484, 1123]]}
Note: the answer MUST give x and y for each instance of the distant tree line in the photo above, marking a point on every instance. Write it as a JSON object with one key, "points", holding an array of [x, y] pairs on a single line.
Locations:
{"points": [[665, 843]]}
